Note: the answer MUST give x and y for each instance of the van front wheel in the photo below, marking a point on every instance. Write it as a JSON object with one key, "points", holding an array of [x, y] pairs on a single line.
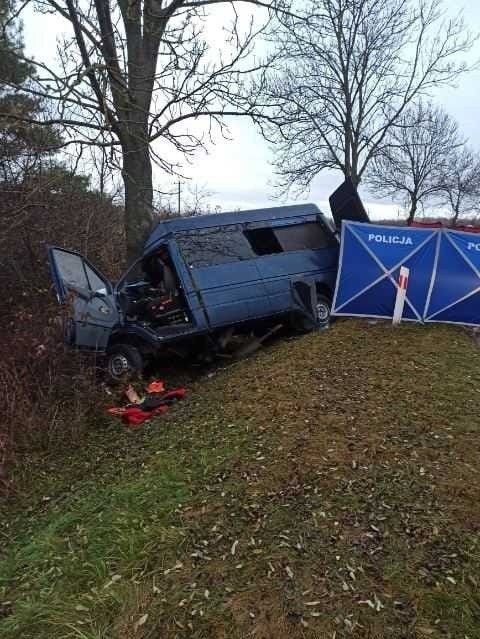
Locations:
{"points": [[123, 360]]}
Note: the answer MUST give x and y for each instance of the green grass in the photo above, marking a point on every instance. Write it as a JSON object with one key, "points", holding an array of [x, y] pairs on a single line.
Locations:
{"points": [[327, 487]]}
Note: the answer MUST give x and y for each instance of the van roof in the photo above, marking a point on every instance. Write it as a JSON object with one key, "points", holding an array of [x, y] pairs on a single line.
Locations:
{"points": [[166, 227]]}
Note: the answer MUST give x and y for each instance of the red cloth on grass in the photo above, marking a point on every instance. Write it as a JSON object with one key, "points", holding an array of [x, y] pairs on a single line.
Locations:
{"points": [[134, 415]]}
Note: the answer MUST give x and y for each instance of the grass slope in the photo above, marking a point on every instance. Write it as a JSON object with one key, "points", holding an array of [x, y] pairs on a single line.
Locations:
{"points": [[327, 487]]}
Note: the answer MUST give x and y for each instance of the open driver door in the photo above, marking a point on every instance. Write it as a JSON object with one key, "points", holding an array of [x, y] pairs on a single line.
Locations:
{"points": [[90, 296]]}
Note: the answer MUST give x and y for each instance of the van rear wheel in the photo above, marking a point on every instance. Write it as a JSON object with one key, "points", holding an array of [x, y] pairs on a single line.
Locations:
{"points": [[305, 324], [123, 360], [323, 308]]}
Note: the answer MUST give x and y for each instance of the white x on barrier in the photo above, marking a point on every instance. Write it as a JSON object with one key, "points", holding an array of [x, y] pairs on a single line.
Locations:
{"points": [[387, 273], [428, 318]]}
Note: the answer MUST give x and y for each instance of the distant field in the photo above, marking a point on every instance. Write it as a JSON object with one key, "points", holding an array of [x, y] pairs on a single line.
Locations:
{"points": [[327, 487]]}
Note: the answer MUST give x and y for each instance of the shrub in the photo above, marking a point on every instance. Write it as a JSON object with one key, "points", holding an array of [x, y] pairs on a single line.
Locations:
{"points": [[49, 393]]}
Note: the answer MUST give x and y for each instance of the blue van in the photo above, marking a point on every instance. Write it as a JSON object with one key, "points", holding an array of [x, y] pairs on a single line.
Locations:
{"points": [[199, 281]]}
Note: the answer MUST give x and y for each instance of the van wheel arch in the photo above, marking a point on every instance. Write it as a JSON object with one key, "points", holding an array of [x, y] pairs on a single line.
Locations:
{"points": [[303, 324], [324, 289], [140, 344]]}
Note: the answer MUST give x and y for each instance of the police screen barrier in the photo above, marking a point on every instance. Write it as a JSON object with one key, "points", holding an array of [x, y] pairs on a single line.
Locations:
{"points": [[369, 268], [455, 294], [444, 281]]}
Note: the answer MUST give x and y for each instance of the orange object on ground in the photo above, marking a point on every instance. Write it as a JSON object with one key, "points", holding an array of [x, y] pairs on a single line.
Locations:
{"points": [[156, 387]]}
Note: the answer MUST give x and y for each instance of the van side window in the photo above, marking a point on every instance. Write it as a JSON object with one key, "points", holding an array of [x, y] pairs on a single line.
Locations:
{"points": [[298, 237], [263, 241], [215, 245], [96, 284], [294, 237], [71, 268]]}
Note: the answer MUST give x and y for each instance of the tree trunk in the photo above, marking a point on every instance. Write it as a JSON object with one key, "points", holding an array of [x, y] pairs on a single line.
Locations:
{"points": [[352, 173], [456, 214], [412, 212], [355, 178], [137, 178]]}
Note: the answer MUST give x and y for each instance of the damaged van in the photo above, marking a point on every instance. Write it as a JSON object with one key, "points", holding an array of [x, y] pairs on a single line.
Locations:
{"points": [[200, 280]]}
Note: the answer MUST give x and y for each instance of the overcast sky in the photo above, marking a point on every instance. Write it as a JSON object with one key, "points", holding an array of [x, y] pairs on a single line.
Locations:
{"points": [[238, 172]]}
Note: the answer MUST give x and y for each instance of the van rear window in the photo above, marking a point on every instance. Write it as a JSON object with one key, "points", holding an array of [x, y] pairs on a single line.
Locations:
{"points": [[295, 237], [215, 245]]}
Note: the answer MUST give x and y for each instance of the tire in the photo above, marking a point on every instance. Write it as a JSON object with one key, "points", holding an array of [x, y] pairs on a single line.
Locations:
{"points": [[323, 309], [123, 360], [303, 324]]}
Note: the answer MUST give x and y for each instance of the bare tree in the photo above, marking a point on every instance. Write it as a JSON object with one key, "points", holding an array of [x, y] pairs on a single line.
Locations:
{"points": [[415, 158], [345, 73], [461, 183], [133, 76], [24, 148]]}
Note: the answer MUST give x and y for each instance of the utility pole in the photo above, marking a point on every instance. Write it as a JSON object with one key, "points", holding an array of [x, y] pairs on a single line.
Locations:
{"points": [[179, 196]]}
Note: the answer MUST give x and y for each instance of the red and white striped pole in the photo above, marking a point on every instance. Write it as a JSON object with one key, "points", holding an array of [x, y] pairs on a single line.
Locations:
{"points": [[401, 294]]}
